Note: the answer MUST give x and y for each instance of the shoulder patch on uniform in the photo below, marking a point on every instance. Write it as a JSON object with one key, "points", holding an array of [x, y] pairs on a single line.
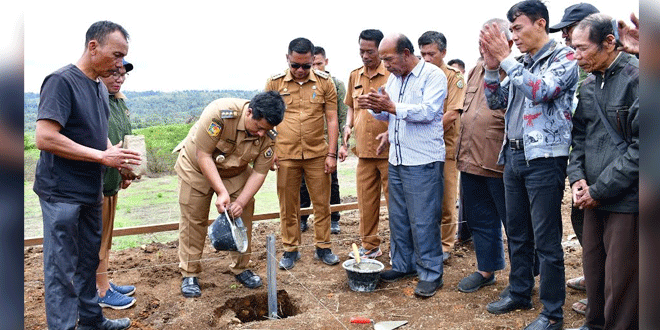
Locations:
{"points": [[277, 75], [214, 129], [321, 74], [228, 114], [272, 134], [460, 83], [269, 152]]}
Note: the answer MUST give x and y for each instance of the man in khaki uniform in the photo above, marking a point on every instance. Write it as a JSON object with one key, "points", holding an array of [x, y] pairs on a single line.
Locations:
{"points": [[301, 149], [214, 158], [320, 61], [370, 139], [433, 47]]}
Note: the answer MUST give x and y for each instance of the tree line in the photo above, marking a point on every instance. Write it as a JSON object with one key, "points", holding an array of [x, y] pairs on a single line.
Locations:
{"points": [[152, 108]]}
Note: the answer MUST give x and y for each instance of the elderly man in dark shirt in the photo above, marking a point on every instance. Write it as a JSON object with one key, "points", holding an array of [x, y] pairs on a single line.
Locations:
{"points": [[72, 134], [604, 174]]}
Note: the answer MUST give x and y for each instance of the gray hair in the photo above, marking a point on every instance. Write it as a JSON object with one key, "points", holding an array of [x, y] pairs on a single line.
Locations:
{"points": [[503, 24], [599, 27]]}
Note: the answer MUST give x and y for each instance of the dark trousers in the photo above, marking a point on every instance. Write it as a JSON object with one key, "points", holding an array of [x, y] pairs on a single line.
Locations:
{"points": [[463, 233], [484, 211], [610, 254], [72, 239], [533, 191], [577, 220], [305, 201]]}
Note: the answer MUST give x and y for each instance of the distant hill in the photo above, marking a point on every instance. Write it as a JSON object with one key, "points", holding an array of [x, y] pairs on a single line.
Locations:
{"points": [[152, 108]]}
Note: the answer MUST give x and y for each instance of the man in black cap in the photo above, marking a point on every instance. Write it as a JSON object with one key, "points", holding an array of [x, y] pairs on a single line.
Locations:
{"points": [[112, 295], [572, 16]]}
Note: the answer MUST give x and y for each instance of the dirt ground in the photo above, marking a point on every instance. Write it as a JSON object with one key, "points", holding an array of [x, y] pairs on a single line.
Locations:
{"points": [[311, 296]]}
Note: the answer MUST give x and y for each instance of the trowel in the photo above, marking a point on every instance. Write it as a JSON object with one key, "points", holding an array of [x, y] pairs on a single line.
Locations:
{"points": [[383, 325]]}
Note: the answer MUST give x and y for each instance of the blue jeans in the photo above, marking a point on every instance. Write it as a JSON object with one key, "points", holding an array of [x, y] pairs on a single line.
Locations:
{"points": [[484, 210], [72, 239], [415, 207], [534, 191]]}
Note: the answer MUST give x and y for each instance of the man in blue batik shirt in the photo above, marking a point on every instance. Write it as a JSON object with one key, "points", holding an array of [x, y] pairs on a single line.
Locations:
{"points": [[538, 94]]}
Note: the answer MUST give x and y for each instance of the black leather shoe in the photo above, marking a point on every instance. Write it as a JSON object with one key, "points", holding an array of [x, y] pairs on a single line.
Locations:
{"points": [[303, 226], [543, 323], [289, 259], [505, 292], [393, 276], [249, 279], [334, 227], [107, 324], [474, 282], [505, 305], [427, 289], [326, 256], [190, 287]]}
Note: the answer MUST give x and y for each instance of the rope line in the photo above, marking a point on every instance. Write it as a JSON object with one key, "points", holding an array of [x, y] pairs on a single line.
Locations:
{"points": [[302, 246]]}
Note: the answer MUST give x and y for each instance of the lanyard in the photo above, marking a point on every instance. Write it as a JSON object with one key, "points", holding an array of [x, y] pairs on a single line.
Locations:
{"points": [[397, 145]]}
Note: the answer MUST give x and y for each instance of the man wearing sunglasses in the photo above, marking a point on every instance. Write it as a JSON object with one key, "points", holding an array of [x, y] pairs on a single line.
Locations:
{"points": [[320, 61], [111, 295], [302, 149]]}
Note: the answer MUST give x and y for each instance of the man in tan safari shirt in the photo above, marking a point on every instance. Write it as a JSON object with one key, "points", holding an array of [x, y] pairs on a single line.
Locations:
{"points": [[301, 149], [433, 47], [370, 141], [215, 158]]}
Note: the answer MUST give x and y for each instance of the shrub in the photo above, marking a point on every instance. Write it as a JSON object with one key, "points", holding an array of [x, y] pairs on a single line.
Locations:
{"points": [[160, 140]]}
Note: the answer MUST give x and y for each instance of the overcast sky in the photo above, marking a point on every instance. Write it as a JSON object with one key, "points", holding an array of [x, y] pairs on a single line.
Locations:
{"points": [[210, 45]]}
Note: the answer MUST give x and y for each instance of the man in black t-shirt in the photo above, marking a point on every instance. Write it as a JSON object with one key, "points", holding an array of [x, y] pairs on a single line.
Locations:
{"points": [[72, 134]]}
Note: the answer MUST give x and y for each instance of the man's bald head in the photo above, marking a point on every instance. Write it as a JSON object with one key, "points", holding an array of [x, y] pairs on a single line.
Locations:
{"points": [[398, 54]]}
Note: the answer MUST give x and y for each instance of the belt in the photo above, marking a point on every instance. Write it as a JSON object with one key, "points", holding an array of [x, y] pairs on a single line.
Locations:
{"points": [[516, 144], [232, 172]]}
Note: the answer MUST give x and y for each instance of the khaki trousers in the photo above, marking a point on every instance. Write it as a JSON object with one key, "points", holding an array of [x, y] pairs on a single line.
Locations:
{"points": [[289, 177], [108, 216], [195, 206], [449, 221], [371, 176]]}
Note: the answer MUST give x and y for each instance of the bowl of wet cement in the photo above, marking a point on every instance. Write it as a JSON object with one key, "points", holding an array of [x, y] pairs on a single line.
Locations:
{"points": [[363, 277]]}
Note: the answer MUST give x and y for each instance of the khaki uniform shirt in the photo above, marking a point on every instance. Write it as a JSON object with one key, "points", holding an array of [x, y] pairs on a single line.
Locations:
{"points": [[366, 126], [221, 132], [301, 132], [482, 129], [453, 102]]}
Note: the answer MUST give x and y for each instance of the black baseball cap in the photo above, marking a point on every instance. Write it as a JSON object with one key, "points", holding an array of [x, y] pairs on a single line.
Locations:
{"points": [[573, 14], [127, 66]]}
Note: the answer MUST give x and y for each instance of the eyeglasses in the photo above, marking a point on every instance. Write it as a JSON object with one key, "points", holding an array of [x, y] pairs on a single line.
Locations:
{"points": [[567, 29], [117, 75], [305, 66]]}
